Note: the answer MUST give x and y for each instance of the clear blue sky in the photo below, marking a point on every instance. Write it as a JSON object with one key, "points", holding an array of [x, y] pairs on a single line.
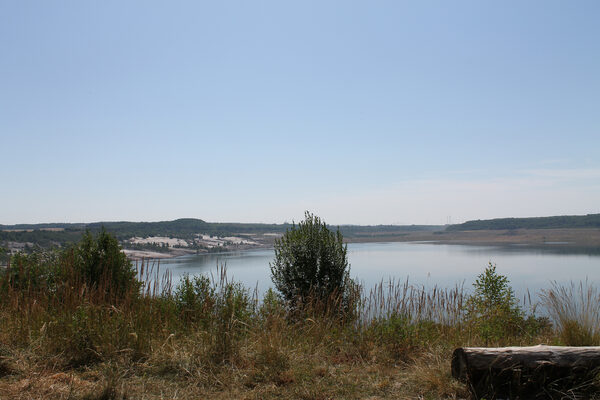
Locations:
{"points": [[362, 112]]}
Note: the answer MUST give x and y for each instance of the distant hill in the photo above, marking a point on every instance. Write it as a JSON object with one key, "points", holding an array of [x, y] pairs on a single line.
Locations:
{"points": [[563, 221], [61, 234], [182, 228]]}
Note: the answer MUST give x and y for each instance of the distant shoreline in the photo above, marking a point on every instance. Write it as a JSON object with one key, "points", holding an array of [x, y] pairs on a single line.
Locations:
{"points": [[574, 236], [568, 239]]}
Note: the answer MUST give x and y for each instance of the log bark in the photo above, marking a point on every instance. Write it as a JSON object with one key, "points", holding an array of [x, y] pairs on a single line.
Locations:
{"points": [[527, 372]]}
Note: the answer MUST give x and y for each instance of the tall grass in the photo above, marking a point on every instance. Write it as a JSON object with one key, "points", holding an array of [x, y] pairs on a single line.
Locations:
{"points": [[393, 298], [575, 310], [219, 335]]}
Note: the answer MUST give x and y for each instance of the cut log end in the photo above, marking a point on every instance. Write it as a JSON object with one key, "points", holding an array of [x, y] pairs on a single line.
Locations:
{"points": [[525, 371], [459, 365]]}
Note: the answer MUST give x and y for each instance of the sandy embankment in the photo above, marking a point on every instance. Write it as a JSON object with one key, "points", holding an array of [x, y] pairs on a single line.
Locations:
{"points": [[139, 254], [178, 247]]}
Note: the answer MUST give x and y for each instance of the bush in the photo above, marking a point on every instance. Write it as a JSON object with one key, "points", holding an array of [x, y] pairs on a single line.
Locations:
{"points": [[400, 336], [101, 263], [26, 272], [218, 307], [195, 299], [310, 261], [95, 262], [90, 333], [232, 313], [493, 308]]}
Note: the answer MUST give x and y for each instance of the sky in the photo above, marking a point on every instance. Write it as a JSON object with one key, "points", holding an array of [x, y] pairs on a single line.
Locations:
{"points": [[371, 112]]}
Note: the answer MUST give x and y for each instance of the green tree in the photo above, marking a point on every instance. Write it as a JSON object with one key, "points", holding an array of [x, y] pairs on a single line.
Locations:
{"points": [[310, 260], [33, 271], [493, 308], [100, 261]]}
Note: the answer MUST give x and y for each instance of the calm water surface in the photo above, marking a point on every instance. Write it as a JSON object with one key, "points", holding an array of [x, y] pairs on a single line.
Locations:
{"points": [[424, 264]]}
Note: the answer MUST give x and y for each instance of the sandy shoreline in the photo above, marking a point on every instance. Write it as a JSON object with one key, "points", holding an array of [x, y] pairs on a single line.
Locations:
{"points": [[534, 238], [145, 254]]}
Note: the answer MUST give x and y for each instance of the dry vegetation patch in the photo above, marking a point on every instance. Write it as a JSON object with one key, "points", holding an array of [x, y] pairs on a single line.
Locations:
{"points": [[72, 338]]}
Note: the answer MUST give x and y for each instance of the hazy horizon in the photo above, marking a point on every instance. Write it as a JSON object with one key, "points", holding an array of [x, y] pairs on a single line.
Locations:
{"points": [[389, 113], [255, 222]]}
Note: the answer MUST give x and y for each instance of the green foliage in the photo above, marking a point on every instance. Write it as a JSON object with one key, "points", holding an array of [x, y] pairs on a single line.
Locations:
{"points": [[232, 313], [96, 261], [401, 336], [310, 261], [493, 308], [33, 271], [223, 309], [272, 305], [195, 299], [210, 334], [100, 261], [91, 333], [40, 237]]}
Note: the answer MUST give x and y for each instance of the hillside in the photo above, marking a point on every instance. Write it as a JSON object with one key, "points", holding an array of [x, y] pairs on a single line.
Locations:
{"points": [[196, 235], [556, 222]]}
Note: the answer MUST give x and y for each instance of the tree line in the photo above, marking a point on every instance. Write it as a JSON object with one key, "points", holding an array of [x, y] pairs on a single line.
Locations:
{"points": [[556, 222]]}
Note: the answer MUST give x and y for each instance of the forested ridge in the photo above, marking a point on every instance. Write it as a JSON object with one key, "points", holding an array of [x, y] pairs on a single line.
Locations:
{"points": [[555, 222], [61, 234]]}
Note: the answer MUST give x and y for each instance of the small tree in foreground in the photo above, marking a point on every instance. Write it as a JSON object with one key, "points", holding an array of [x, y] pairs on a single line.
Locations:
{"points": [[493, 308], [310, 262]]}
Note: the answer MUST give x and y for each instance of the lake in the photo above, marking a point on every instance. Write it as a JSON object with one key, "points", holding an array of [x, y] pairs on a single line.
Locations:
{"points": [[424, 264]]}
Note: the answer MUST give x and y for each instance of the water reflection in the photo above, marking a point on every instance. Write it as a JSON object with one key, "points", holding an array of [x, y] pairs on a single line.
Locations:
{"points": [[528, 267]]}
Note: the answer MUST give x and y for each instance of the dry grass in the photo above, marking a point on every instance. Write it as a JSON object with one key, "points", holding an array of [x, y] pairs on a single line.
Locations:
{"points": [[576, 312], [217, 340]]}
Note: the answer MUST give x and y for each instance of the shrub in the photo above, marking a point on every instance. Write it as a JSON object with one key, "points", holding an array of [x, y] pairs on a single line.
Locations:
{"points": [[96, 262], [310, 261], [400, 336], [195, 299], [232, 312], [493, 308], [90, 333], [272, 306], [35, 271], [101, 263]]}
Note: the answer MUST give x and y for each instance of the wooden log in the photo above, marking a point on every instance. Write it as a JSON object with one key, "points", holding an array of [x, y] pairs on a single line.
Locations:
{"points": [[527, 372]]}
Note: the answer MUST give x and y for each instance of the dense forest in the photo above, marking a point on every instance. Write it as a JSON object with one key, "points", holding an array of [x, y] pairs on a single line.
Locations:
{"points": [[563, 221]]}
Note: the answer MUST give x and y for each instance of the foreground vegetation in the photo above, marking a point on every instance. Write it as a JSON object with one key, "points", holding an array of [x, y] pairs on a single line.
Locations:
{"points": [[84, 324]]}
